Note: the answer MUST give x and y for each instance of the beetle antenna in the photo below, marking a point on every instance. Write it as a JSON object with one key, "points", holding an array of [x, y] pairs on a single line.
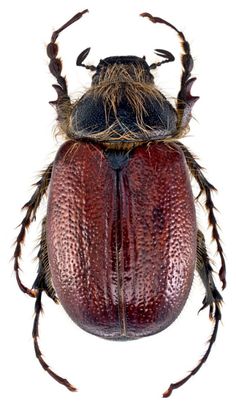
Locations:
{"points": [[35, 334], [81, 58], [165, 54]]}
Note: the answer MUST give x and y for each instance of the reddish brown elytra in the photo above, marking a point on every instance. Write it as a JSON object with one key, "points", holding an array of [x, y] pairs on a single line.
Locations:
{"points": [[120, 240]]}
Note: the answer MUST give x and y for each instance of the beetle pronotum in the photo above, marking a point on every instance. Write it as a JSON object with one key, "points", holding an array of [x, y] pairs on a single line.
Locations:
{"points": [[120, 240]]}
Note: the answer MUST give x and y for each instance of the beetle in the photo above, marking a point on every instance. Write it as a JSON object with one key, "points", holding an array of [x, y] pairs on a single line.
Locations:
{"points": [[120, 240]]}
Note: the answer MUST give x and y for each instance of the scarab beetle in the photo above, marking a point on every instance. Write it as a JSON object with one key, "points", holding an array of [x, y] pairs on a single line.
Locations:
{"points": [[120, 241]]}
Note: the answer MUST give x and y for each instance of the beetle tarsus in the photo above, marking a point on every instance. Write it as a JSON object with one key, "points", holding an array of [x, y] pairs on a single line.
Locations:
{"points": [[55, 65], [38, 353], [72, 20], [159, 20], [168, 392], [217, 318], [213, 299]]}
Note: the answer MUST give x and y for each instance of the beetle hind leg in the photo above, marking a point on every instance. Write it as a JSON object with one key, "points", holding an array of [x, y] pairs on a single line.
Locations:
{"points": [[217, 317], [212, 299], [42, 283], [35, 334]]}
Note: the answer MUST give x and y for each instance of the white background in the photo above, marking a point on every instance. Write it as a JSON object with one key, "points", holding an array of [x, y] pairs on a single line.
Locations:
{"points": [[111, 374]]}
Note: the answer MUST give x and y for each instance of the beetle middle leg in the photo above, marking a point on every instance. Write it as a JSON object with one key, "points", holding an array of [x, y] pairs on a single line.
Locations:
{"points": [[44, 280], [206, 188], [42, 283], [212, 299], [31, 206]]}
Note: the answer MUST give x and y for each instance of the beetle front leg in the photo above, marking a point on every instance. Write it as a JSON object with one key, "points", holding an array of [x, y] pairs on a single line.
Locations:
{"points": [[212, 299], [31, 206], [185, 100], [206, 188], [63, 103]]}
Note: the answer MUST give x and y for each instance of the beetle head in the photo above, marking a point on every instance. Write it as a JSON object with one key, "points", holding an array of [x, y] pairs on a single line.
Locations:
{"points": [[132, 61], [124, 68]]}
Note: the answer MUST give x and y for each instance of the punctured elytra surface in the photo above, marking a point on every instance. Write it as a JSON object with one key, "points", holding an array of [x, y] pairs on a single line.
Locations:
{"points": [[121, 242]]}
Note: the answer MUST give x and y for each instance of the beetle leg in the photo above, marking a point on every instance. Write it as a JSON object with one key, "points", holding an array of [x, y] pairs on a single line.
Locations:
{"points": [[206, 188], [44, 280], [185, 100], [31, 206], [42, 283], [35, 334], [217, 318], [212, 299], [205, 271], [63, 103]]}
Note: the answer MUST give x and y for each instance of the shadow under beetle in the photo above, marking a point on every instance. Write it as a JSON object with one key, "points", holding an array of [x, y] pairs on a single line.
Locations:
{"points": [[120, 241]]}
